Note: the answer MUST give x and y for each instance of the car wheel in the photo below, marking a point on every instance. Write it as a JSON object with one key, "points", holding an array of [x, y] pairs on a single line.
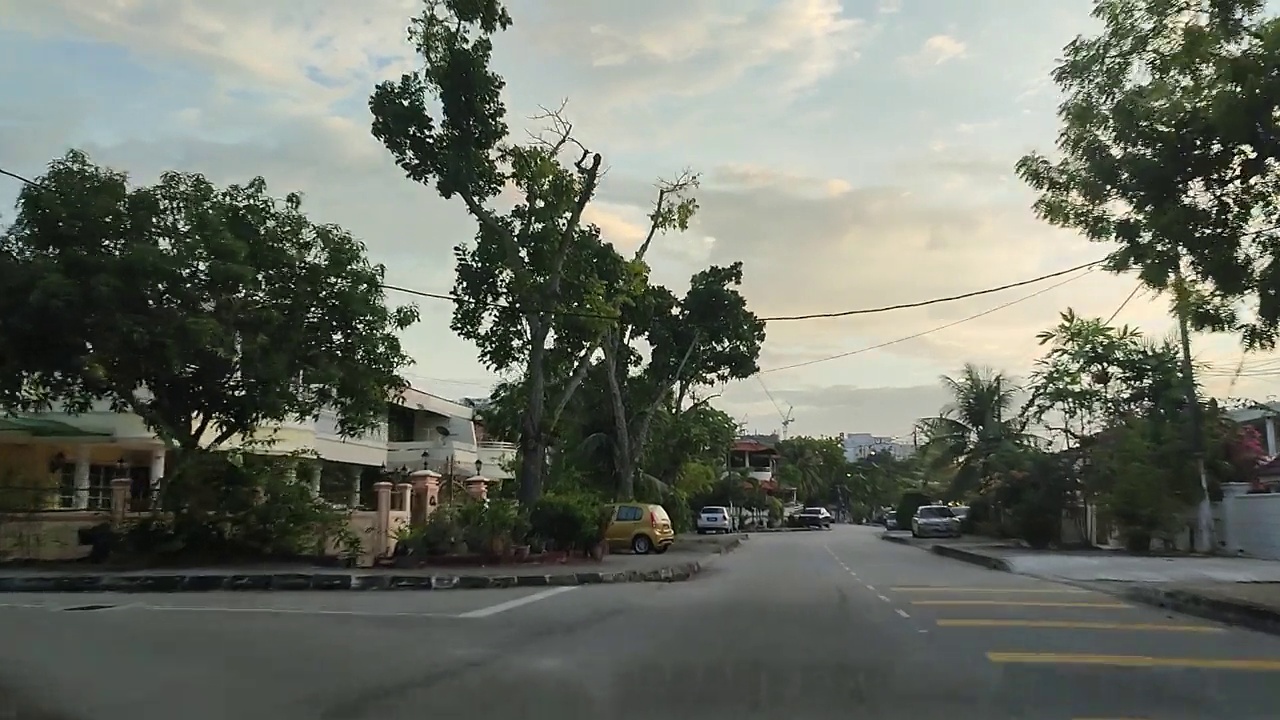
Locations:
{"points": [[640, 545], [660, 550], [701, 531]]}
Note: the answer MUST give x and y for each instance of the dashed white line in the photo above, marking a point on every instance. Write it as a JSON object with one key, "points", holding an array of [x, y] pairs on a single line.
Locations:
{"points": [[882, 597], [872, 589], [902, 612]]}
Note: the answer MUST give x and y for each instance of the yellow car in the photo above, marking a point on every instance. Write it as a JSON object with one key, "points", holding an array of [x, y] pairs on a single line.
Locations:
{"points": [[642, 527]]}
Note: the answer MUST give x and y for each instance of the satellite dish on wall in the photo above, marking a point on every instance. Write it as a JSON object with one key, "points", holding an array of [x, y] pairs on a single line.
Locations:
{"points": [[444, 431]]}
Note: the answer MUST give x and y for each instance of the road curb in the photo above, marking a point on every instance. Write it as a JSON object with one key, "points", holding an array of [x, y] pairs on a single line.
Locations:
{"points": [[306, 581], [899, 539], [1239, 613], [972, 557]]}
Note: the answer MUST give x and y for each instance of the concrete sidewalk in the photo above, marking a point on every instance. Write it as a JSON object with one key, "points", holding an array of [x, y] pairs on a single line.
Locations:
{"points": [[685, 559], [1236, 591]]}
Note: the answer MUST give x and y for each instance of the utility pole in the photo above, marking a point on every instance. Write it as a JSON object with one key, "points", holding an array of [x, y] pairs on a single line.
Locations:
{"points": [[1204, 511]]}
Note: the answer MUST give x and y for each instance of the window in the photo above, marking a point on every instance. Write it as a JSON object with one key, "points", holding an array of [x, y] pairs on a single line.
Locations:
{"points": [[629, 513], [99, 487], [400, 423], [935, 512]]}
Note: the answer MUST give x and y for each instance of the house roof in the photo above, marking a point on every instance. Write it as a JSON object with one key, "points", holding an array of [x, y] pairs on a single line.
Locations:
{"points": [[40, 427], [751, 445]]}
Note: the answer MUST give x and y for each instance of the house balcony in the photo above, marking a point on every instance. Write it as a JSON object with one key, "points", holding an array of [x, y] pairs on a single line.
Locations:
{"points": [[498, 458], [443, 456], [759, 474]]}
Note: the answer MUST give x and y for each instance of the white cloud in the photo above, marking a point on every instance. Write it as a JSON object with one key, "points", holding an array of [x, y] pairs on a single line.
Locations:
{"points": [[818, 224], [936, 50], [890, 7], [668, 48], [307, 53]]}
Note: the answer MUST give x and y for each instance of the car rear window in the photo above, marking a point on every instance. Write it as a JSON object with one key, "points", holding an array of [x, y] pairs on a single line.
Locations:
{"points": [[713, 511], [935, 512]]}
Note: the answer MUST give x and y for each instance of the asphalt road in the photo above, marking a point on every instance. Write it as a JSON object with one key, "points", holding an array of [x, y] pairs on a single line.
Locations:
{"points": [[805, 625]]}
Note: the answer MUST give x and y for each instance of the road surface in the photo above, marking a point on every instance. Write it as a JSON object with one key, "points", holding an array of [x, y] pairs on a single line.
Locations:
{"points": [[808, 625]]}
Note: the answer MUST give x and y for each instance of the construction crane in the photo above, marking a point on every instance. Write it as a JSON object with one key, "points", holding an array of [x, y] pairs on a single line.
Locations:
{"points": [[787, 418]]}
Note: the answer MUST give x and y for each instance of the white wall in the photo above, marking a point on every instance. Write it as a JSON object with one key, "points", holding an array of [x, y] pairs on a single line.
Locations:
{"points": [[1250, 523]]}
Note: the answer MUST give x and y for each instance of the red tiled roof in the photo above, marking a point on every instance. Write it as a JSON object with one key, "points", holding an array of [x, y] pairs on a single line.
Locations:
{"points": [[752, 446]]}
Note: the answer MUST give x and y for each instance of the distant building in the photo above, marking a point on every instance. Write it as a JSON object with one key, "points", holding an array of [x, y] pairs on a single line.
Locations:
{"points": [[860, 446]]}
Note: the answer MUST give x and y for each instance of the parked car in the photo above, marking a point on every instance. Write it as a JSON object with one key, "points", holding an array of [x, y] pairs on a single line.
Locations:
{"points": [[714, 519], [935, 521], [642, 527], [891, 521], [815, 517]]}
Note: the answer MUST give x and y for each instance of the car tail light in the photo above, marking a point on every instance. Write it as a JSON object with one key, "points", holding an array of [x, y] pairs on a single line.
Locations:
{"points": [[653, 519]]}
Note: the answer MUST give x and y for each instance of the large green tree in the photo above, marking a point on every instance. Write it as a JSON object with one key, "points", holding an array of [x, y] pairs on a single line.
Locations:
{"points": [[1093, 375], [537, 289], [708, 336], [978, 432], [207, 311], [1168, 147]]}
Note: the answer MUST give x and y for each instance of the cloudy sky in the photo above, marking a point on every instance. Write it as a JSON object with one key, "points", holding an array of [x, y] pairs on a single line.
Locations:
{"points": [[854, 154]]}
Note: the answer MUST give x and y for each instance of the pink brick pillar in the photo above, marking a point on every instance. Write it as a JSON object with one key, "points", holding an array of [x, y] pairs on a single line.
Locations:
{"points": [[382, 521]]}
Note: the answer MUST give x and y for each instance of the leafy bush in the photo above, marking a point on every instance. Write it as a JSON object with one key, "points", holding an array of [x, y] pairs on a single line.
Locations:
{"points": [[907, 506], [228, 507], [568, 521]]}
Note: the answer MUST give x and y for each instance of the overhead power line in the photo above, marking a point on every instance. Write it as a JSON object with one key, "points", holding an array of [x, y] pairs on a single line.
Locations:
{"points": [[949, 325], [780, 318], [1127, 300]]}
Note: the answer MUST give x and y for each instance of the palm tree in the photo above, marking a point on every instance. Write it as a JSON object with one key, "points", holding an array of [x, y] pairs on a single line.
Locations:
{"points": [[975, 431]]}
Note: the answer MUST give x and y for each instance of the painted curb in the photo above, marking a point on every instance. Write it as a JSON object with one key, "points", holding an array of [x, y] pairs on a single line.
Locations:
{"points": [[207, 582], [1239, 613], [974, 558]]}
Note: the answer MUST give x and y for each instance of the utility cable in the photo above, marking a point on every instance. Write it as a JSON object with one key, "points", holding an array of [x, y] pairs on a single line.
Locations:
{"points": [[780, 318], [949, 325], [1127, 300]]}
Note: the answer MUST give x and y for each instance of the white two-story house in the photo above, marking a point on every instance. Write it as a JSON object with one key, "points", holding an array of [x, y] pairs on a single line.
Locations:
{"points": [[81, 454]]}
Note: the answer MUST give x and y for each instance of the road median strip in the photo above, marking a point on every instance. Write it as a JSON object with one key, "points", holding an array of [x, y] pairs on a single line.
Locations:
{"points": [[972, 557], [301, 581]]}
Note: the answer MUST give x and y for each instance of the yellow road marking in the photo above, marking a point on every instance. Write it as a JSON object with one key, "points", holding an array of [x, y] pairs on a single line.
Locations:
{"points": [[1023, 603], [986, 590], [1068, 625], [1135, 661]]}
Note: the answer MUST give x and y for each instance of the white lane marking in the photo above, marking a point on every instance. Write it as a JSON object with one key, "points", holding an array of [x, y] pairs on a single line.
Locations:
{"points": [[518, 602], [872, 589], [286, 611], [902, 612], [22, 606], [882, 597]]}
